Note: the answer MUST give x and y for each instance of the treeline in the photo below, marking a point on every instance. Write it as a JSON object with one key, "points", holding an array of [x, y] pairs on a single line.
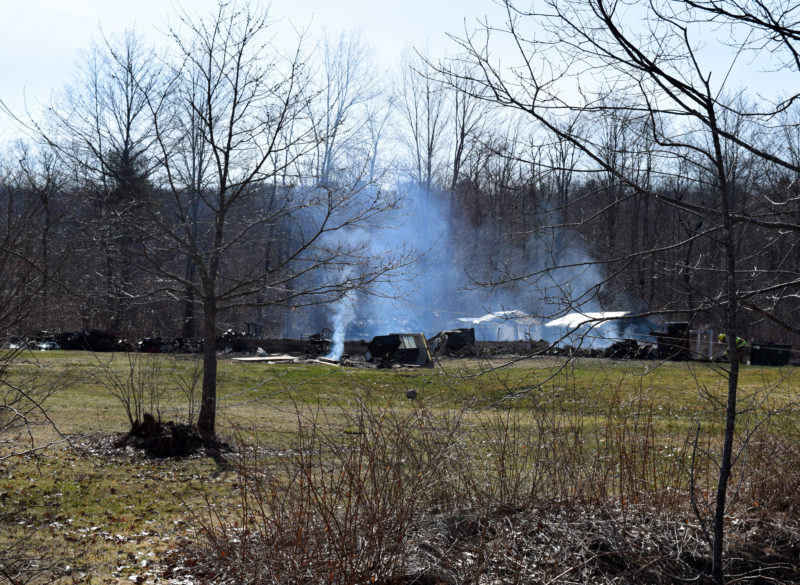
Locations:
{"points": [[227, 181]]}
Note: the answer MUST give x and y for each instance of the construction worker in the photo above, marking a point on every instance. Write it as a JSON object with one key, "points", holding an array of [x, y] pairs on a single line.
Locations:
{"points": [[741, 347]]}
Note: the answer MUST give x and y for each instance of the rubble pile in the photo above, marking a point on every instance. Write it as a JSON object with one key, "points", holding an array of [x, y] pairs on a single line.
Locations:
{"points": [[629, 349]]}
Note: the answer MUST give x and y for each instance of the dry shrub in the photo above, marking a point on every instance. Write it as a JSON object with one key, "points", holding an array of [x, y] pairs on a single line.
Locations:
{"points": [[770, 475], [339, 507], [545, 454], [408, 494], [136, 382], [364, 492]]}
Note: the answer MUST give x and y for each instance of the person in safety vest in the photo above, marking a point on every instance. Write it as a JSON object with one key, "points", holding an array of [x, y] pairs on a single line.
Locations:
{"points": [[741, 347]]}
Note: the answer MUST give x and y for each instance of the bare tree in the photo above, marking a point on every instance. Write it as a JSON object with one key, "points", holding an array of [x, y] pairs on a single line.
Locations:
{"points": [[42, 177], [340, 117], [649, 54], [248, 103], [101, 129], [24, 204], [422, 107], [469, 118], [23, 393], [191, 167]]}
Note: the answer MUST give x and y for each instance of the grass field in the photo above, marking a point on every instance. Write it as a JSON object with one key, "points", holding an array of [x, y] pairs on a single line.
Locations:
{"points": [[484, 434]]}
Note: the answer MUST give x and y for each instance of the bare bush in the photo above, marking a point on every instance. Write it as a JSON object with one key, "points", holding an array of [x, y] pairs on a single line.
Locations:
{"points": [[563, 490], [187, 375], [23, 393], [340, 506], [137, 385]]}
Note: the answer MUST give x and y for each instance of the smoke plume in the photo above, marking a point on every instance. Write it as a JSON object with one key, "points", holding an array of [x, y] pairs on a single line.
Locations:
{"points": [[443, 288]]}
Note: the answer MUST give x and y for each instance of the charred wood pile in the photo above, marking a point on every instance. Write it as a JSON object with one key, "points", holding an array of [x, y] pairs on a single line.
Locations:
{"points": [[629, 349]]}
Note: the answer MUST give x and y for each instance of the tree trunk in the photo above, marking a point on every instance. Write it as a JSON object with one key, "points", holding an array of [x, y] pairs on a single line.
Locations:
{"points": [[725, 467], [732, 333], [206, 419]]}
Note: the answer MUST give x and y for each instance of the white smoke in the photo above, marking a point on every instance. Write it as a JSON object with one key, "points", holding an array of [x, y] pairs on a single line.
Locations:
{"points": [[441, 288], [343, 314]]}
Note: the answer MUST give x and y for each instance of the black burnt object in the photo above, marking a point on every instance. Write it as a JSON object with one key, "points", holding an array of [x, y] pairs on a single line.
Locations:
{"points": [[674, 343], [453, 339], [398, 348], [770, 354]]}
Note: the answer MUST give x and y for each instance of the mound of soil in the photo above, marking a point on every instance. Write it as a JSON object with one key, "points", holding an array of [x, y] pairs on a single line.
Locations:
{"points": [[167, 439]]}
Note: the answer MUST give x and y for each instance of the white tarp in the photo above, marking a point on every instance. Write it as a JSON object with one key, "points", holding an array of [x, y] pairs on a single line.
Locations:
{"points": [[576, 320], [511, 325]]}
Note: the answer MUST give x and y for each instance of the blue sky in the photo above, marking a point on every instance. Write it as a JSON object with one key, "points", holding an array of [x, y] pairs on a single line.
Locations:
{"points": [[40, 40]]}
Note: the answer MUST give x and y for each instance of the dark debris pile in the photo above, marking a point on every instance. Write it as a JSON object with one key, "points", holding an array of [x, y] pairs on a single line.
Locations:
{"points": [[158, 439]]}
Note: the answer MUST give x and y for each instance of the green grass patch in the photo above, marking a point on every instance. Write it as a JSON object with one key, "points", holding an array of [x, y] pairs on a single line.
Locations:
{"points": [[535, 428]]}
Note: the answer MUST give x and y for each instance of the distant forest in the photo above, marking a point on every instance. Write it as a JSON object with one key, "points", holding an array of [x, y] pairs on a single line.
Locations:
{"points": [[226, 182]]}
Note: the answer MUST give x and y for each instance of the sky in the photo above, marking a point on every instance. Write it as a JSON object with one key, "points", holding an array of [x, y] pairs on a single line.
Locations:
{"points": [[41, 40]]}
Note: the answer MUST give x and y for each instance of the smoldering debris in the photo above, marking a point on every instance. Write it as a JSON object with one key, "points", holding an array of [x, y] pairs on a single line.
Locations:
{"points": [[409, 349], [398, 350], [509, 325], [453, 342], [629, 349], [441, 291], [317, 343]]}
